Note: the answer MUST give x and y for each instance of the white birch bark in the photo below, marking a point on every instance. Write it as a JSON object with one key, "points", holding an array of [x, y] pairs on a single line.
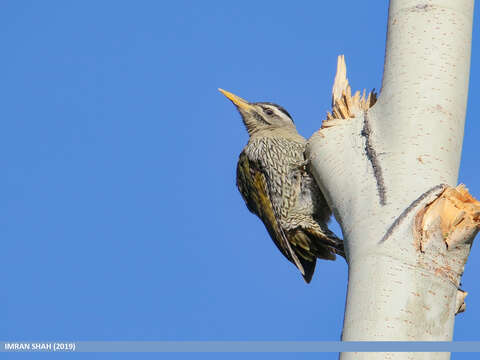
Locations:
{"points": [[385, 165]]}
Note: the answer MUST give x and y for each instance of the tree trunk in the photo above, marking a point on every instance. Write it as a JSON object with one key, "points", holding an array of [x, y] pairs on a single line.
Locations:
{"points": [[387, 168]]}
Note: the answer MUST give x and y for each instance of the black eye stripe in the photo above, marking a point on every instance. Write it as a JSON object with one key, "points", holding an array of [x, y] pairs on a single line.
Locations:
{"points": [[278, 107]]}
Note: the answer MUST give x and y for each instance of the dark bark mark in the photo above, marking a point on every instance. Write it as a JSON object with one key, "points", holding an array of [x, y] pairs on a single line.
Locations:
{"points": [[372, 156], [422, 8], [405, 212]]}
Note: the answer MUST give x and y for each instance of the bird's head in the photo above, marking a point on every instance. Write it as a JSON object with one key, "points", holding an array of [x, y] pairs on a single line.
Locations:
{"points": [[260, 115]]}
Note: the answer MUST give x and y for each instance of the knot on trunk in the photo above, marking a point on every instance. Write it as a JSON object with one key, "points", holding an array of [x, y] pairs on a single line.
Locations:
{"points": [[444, 231]]}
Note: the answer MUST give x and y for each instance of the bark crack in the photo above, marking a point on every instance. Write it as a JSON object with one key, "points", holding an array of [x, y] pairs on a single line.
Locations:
{"points": [[412, 206], [372, 156]]}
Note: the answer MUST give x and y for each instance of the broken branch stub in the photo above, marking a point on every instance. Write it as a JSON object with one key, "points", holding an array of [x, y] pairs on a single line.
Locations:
{"points": [[344, 105], [460, 305], [444, 231]]}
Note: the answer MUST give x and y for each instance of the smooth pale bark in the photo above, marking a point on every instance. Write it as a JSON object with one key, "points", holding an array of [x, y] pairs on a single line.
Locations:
{"points": [[380, 168]]}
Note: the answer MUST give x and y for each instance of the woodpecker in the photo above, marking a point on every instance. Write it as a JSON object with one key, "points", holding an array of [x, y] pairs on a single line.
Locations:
{"points": [[273, 179]]}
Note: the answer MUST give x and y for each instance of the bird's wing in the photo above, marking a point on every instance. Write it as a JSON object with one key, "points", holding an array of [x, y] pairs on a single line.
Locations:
{"points": [[252, 184]]}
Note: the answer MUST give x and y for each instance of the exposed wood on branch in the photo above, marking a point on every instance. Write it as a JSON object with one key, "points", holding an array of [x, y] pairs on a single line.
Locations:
{"points": [[457, 213], [444, 232]]}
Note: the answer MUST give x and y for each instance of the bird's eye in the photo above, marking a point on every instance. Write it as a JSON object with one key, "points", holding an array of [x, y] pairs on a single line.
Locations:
{"points": [[268, 111]]}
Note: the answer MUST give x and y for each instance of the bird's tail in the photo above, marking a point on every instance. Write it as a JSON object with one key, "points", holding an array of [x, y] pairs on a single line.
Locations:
{"points": [[336, 243], [324, 242], [309, 268], [312, 243]]}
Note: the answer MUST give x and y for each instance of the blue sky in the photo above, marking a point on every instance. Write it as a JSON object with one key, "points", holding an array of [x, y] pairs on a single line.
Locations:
{"points": [[120, 219]]}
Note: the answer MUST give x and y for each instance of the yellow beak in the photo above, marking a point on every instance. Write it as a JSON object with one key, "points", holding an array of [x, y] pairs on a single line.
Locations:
{"points": [[238, 101]]}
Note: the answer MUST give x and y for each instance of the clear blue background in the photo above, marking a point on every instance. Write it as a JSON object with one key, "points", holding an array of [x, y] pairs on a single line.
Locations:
{"points": [[120, 219]]}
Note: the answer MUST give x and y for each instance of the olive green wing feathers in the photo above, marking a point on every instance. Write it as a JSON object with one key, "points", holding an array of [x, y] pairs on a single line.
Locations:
{"points": [[252, 184]]}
